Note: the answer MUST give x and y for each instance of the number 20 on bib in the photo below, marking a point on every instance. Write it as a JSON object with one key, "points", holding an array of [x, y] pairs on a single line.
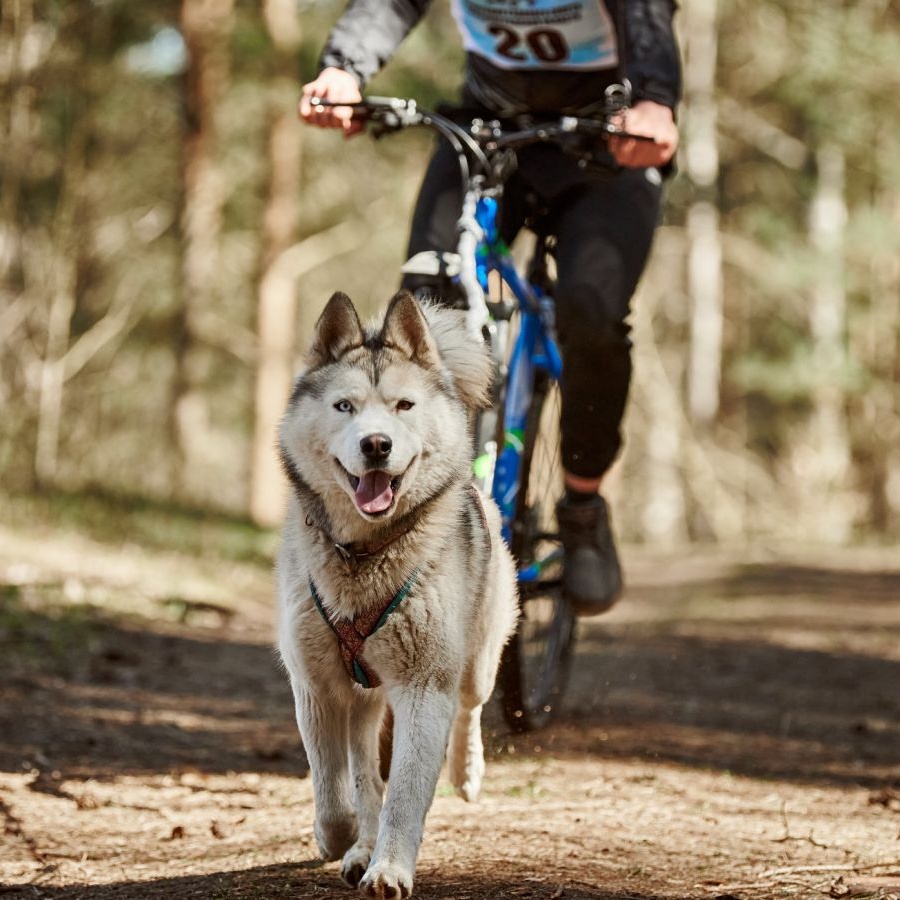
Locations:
{"points": [[539, 34]]}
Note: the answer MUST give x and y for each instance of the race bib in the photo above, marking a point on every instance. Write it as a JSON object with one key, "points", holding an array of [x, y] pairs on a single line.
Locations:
{"points": [[539, 34]]}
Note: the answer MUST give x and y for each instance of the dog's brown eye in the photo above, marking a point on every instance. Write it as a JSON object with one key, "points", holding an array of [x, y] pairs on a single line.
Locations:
{"points": [[403, 405], [344, 406]]}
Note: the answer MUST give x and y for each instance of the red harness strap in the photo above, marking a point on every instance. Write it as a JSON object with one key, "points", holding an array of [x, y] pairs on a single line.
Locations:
{"points": [[352, 635]]}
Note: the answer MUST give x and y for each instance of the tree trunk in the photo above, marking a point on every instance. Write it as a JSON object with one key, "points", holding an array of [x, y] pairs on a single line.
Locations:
{"points": [[705, 248], [707, 314], [17, 100], [826, 458], [16, 22], [59, 325], [885, 513], [205, 26], [875, 421], [61, 284], [658, 379], [277, 303]]}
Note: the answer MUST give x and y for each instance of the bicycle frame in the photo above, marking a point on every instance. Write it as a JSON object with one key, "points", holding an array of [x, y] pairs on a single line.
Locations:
{"points": [[486, 159], [534, 348]]}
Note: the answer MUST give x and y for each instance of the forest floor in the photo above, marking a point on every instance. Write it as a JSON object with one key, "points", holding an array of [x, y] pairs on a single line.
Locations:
{"points": [[732, 729]]}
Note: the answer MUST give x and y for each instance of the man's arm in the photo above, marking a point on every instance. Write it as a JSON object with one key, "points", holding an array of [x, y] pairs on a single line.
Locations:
{"points": [[651, 53], [654, 70], [367, 35], [362, 41]]}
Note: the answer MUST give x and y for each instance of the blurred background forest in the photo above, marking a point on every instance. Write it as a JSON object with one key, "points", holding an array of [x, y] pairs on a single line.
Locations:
{"points": [[169, 233]]}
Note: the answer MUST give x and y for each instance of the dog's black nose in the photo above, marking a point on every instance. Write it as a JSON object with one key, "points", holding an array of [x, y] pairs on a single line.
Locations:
{"points": [[376, 446]]}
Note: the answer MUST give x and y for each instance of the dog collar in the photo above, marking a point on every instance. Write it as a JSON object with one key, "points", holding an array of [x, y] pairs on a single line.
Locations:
{"points": [[352, 633], [351, 554]]}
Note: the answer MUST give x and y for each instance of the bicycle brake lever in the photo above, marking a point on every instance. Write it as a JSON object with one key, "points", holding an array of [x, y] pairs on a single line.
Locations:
{"points": [[628, 136], [397, 103]]}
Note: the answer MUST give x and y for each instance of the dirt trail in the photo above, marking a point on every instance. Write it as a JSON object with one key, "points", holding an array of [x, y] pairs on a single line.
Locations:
{"points": [[732, 731]]}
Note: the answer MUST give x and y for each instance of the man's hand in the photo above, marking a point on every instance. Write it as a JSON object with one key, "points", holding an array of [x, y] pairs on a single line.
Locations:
{"points": [[335, 86], [648, 119]]}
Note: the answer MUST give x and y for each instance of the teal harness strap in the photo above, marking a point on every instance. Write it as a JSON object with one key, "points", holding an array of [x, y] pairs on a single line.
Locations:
{"points": [[352, 635], [317, 599], [399, 597]]}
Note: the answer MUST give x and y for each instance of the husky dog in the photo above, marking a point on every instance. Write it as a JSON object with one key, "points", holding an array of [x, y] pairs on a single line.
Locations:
{"points": [[395, 586]]}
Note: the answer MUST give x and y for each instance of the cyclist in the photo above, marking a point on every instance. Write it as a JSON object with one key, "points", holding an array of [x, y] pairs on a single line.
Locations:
{"points": [[547, 58]]}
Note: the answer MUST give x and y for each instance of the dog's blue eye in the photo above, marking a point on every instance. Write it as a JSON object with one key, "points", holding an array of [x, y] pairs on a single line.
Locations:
{"points": [[403, 405], [343, 406]]}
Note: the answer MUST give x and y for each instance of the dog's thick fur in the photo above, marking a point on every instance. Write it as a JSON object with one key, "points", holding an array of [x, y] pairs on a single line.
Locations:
{"points": [[414, 380]]}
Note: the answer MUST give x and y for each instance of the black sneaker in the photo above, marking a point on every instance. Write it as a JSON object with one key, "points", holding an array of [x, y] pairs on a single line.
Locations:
{"points": [[592, 577]]}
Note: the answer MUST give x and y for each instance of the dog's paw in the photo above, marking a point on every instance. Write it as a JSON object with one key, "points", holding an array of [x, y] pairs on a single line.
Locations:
{"points": [[386, 882], [469, 790], [355, 863], [466, 776], [335, 836]]}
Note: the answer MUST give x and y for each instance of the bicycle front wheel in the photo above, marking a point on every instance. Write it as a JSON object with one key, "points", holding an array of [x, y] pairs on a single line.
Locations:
{"points": [[535, 663]]}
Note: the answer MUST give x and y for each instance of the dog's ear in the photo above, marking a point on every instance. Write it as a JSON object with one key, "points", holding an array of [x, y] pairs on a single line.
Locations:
{"points": [[406, 329], [337, 331], [465, 356]]}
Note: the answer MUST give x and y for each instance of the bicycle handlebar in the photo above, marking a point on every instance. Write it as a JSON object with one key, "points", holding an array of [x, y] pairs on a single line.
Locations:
{"points": [[491, 150], [395, 113]]}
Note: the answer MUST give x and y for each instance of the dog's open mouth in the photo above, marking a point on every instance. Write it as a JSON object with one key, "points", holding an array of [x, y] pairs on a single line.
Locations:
{"points": [[374, 491]]}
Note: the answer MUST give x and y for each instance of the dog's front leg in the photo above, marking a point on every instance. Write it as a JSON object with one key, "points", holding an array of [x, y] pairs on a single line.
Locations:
{"points": [[422, 720], [323, 727], [366, 714]]}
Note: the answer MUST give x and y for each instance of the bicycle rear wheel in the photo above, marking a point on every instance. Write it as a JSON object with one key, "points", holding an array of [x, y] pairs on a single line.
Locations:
{"points": [[535, 663]]}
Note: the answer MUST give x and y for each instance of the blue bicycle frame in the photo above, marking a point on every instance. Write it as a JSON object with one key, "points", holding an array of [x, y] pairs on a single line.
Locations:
{"points": [[535, 348]]}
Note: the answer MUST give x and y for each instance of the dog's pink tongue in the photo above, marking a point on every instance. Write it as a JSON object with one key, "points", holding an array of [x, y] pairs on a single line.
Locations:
{"points": [[373, 493]]}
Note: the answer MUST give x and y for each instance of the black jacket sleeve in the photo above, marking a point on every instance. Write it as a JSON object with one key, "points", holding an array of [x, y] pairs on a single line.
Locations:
{"points": [[368, 33], [652, 61]]}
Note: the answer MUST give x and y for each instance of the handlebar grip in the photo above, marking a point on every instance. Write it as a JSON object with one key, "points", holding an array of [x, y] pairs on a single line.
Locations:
{"points": [[327, 104], [364, 110]]}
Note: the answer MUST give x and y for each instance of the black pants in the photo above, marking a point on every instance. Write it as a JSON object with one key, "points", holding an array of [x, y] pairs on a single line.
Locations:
{"points": [[604, 224]]}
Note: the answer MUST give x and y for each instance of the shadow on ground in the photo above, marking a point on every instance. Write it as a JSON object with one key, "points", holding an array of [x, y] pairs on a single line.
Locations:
{"points": [[793, 686], [780, 580], [741, 706], [114, 699], [299, 883], [780, 672]]}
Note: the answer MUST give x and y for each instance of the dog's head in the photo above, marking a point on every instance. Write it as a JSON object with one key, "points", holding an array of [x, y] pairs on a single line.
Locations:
{"points": [[378, 421]]}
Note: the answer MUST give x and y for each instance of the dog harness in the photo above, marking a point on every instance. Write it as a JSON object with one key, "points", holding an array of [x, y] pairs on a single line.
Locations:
{"points": [[352, 634]]}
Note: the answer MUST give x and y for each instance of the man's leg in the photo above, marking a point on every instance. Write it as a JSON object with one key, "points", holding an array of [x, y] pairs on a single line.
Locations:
{"points": [[433, 228], [604, 235]]}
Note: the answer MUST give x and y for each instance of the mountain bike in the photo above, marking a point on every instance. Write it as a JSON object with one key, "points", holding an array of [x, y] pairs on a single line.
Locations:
{"points": [[517, 458]]}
